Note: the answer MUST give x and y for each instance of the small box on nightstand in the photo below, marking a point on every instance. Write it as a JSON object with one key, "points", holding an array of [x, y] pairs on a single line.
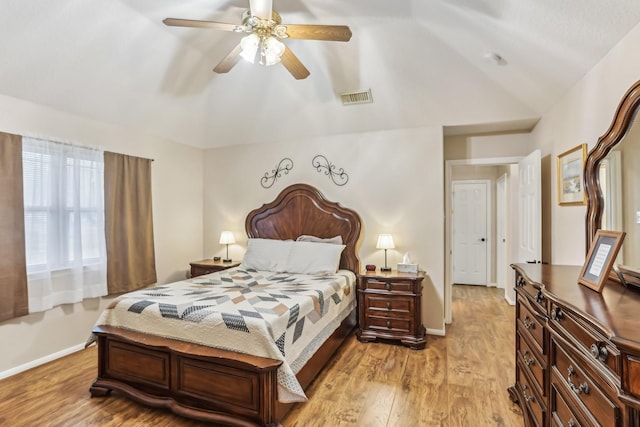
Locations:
{"points": [[408, 268]]}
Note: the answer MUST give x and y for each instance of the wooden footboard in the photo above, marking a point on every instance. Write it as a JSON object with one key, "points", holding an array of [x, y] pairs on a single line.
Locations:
{"points": [[199, 382]]}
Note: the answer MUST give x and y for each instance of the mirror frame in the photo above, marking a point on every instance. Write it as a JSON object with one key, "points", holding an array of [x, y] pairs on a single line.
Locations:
{"points": [[622, 120]]}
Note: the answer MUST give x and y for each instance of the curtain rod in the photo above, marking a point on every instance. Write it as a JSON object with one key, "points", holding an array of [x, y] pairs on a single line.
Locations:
{"points": [[73, 144]]}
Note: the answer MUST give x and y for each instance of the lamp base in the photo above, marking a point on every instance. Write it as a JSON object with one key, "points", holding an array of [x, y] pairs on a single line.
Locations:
{"points": [[385, 269], [227, 260]]}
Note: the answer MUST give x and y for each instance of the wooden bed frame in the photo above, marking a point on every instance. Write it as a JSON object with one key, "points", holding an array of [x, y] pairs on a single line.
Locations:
{"points": [[220, 386]]}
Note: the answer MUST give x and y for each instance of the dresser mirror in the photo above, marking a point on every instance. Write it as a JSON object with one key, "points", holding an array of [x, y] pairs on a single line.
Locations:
{"points": [[612, 184]]}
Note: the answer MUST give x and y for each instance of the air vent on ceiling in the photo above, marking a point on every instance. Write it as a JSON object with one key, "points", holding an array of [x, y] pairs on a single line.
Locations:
{"points": [[358, 97]]}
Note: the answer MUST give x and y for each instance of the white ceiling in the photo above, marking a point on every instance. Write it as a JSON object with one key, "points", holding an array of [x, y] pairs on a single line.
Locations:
{"points": [[424, 60]]}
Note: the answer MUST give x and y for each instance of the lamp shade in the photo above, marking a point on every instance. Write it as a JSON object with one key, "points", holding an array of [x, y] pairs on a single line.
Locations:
{"points": [[385, 241], [272, 49], [226, 238], [249, 45]]}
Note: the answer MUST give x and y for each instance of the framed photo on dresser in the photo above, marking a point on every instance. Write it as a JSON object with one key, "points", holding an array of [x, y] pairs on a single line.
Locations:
{"points": [[602, 254]]}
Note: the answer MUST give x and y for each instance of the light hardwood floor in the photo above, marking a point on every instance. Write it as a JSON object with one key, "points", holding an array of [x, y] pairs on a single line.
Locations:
{"points": [[458, 380]]}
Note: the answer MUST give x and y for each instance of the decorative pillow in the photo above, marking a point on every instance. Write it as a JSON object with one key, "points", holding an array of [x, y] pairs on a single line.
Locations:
{"points": [[267, 254], [314, 258], [307, 238]]}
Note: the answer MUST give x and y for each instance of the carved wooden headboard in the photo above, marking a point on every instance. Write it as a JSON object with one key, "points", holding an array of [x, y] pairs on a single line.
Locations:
{"points": [[302, 209]]}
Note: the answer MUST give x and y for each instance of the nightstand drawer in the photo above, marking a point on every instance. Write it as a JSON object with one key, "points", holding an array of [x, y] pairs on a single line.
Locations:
{"points": [[388, 304], [390, 324], [389, 285]]}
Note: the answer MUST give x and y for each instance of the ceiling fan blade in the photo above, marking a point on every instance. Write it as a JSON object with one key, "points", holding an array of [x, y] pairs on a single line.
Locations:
{"points": [[261, 8], [229, 61], [293, 64], [175, 22], [339, 33]]}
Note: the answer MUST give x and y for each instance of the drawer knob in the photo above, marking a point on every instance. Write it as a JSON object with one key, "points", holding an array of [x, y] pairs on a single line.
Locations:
{"points": [[388, 305], [524, 393], [528, 323], [599, 352], [557, 314], [387, 286], [582, 388], [389, 324], [526, 361]]}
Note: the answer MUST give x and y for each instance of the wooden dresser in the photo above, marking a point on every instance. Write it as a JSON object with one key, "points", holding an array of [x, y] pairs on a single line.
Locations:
{"points": [[577, 351], [389, 308]]}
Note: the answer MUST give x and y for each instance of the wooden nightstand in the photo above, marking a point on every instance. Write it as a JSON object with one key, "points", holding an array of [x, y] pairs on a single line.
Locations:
{"points": [[389, 307], [206, 266]]}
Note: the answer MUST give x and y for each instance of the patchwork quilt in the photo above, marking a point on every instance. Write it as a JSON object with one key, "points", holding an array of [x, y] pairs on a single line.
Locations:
{"points": [[276, 315]]}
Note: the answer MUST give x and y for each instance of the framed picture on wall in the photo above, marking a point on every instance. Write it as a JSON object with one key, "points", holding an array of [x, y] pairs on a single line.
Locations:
{"points": [[570, 173], [602, 254]]}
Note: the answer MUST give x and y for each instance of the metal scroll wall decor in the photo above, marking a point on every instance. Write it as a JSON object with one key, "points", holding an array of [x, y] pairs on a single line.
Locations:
{"points": [[338, 177], [285, 166]]}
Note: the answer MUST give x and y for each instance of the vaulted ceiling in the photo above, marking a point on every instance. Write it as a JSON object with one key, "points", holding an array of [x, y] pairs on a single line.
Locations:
{"points": [[425, 62]]}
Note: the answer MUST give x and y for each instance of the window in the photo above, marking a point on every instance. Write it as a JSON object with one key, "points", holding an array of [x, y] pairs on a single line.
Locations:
{"points": [[64, 223]]}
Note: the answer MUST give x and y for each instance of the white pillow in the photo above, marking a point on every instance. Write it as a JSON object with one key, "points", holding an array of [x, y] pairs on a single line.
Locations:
{"points": [[314, 258], [267, 254], [308, 238]]}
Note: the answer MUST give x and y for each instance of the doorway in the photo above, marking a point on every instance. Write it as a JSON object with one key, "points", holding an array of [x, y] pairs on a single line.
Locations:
{"points": [[472, 169]]}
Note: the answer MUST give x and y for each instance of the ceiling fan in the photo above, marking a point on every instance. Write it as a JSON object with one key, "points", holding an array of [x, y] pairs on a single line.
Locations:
{"points": [[265, 31]]}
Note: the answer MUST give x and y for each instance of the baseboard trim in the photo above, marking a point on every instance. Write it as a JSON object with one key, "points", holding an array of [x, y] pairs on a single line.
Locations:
{"points": [[509, 300], [439, 332], [41, 361]]}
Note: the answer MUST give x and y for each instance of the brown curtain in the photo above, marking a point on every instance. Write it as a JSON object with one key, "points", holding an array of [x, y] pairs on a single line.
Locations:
{"points": [[131, 262], [13, 265]]}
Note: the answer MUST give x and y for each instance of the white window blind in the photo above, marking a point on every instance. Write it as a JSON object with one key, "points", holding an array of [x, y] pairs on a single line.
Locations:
{"points": [[64, 223]]}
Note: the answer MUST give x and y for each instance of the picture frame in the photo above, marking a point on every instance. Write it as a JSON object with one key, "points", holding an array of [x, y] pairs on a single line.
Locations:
{"points": [[570, 176], [602, 254]]}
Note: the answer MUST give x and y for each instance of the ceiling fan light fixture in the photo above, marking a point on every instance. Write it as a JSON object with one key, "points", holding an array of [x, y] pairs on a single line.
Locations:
{"points": [[249, 45], [272, 50]]}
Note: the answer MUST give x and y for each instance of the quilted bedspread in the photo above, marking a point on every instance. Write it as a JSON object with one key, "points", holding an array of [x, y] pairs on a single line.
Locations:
{"points": [[276, 315]]}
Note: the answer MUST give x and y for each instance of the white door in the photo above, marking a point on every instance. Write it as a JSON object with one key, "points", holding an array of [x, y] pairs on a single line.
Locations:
{"points": [[469, 232], [501, 231], [529, 209]]}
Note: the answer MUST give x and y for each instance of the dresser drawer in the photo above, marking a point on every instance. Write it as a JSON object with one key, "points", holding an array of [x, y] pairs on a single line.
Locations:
{"points": [[391, 325], [561, 413], [531, 362], [530, 325], [533, 293], [530, 398], [576, 383], [395, 305], [602, 352], [392, 285]]}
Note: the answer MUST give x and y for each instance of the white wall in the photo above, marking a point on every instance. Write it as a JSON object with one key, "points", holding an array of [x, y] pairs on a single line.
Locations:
{"points": [[395, 184], [582, 116], [177, 208]]}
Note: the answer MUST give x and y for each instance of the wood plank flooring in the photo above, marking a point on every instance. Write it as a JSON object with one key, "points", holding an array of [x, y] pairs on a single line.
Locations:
{"points": [[458, 380]]}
